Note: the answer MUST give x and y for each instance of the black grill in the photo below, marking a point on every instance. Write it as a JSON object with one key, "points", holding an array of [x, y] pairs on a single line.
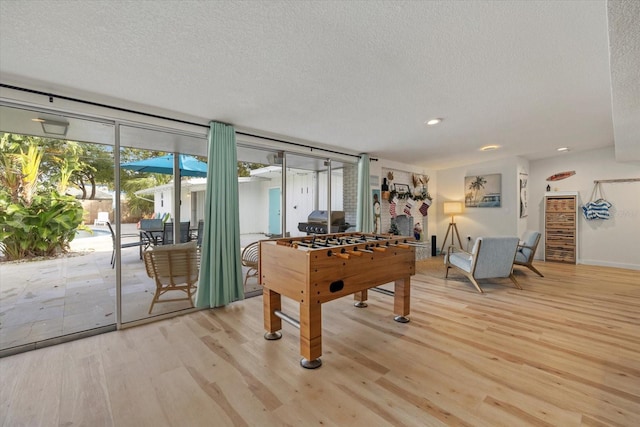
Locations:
{"points": [[317, 223]]}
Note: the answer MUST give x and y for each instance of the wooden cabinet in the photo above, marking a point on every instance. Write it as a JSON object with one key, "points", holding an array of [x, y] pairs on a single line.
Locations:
{"points": [[560, 224]]}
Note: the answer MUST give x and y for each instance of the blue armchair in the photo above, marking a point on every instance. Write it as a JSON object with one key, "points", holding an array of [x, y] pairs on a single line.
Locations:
{"points": [[527, 250], [491, 257]]}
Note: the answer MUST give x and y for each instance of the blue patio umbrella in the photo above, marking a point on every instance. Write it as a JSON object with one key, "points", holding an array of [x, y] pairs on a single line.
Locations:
{"points": [[189, 165]]}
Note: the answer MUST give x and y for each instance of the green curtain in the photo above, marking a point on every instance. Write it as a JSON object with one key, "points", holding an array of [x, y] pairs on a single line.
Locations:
{"points": [[364, 219], [220, 266]]}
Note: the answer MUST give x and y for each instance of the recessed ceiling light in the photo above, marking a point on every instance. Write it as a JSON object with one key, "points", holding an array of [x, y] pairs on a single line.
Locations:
{"points": [[489, 147], [433, 122], [562, 149]]}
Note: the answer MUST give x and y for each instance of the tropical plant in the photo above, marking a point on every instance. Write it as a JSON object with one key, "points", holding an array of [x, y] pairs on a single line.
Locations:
{"points": [[245, 168], [477, 184], [138, 206], [43, 227], [35, 218]]}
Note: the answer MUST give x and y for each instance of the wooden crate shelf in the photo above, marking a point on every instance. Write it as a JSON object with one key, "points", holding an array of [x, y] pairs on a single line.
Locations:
{"points": [[560, 228]]}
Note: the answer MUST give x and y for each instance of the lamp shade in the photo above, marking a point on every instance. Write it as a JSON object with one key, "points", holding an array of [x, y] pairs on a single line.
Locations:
{"points": [[452, 207]]}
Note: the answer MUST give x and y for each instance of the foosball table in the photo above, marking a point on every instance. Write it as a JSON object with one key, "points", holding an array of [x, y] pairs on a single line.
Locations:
{"points": [[316, 269]]}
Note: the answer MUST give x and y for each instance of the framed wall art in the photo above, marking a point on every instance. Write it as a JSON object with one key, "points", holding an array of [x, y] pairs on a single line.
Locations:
{"points": [[524, 202], [402, 188], [483, 191]]}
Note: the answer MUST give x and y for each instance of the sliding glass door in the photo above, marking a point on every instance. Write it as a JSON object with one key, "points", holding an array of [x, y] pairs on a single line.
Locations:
{"points": [[76, 268], [158, 206], [56, 280]]}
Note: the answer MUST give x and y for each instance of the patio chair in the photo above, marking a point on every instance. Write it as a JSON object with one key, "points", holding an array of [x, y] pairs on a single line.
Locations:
{"points": [[200, 233], [491, 257], [151, 224], [173, 268], [527, 250], [167, 233], [102, 219], [140, 243], [251, 258], [152, 230]]}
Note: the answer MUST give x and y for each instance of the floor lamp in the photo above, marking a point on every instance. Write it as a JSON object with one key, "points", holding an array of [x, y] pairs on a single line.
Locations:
{"points": [[452, 208]]}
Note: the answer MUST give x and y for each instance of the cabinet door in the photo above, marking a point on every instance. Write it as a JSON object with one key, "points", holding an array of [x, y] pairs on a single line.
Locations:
{"points": [[560, 229]]}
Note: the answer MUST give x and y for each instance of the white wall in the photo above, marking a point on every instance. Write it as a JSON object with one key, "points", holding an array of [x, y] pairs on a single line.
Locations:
{"points": [[614, 242], [253, 201], [476, 222], [163, 203], [301, 198]]}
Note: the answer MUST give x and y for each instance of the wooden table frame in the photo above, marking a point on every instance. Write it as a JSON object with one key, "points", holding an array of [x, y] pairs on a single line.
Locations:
{"points": [[313, 276]]}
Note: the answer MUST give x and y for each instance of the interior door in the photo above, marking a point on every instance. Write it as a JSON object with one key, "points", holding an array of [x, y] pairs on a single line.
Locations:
{"points": [[274, 211]]}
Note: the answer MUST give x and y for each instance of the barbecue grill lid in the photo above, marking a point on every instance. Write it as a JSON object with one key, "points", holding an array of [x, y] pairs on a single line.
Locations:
{"points": [[320, 217]]}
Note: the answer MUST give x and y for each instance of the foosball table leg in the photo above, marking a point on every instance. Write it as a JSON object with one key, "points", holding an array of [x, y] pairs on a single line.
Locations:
{"points": [[401, 298], [360, 298], [271, 302], [310, 334]]}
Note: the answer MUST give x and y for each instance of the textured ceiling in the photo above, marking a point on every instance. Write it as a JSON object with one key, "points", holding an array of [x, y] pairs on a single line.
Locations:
{"points": [[360, 75]]}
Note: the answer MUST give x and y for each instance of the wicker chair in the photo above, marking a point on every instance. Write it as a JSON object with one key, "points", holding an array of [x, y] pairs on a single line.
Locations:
{"points": [[174, 268], [251, 259]]}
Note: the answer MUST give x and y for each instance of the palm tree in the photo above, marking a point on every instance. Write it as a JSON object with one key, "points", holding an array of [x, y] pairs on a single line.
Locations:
{"points": [[476, 185]]}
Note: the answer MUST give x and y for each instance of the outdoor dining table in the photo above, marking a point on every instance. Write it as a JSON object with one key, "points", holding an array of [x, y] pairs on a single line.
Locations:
{"points": [[154, 235], [151, 235]]}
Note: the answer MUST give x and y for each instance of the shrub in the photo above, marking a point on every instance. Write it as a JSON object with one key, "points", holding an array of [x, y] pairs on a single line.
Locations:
{"points": [[42, 228]]}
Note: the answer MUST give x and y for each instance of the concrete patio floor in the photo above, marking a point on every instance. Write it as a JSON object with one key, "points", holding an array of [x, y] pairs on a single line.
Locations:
{"points": [[45, 299]]}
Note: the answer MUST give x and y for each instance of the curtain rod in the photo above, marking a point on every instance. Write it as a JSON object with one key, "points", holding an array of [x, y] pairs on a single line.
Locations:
{"points": [[602, 181], [156, 116]]}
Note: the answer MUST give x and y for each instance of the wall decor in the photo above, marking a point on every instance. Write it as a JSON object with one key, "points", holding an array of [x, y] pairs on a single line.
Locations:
{"points": [[561, 175], [377, 224], [524, 198], [483, 191], [402, 188]]}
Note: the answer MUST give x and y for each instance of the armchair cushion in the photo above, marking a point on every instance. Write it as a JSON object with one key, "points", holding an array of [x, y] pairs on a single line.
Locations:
{"points": [[491, 257], [527, 244], [495, 259], [527, 250], [461, 260], [188, 245], [521, 257]]}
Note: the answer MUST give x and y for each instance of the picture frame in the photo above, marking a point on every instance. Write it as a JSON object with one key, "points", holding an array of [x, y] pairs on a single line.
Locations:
{"points": [[524, 197], [483, 191], [402, 188]]}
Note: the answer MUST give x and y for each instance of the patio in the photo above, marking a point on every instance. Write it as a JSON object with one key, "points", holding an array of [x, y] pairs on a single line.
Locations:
{"points": [[40, 300]]}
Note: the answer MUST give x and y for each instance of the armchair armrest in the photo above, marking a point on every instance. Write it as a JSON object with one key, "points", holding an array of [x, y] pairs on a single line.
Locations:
{"points": [[451, 249]]}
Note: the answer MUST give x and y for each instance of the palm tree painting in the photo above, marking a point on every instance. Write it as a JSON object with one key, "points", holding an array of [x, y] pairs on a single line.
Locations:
{"points": [[483, 191]]}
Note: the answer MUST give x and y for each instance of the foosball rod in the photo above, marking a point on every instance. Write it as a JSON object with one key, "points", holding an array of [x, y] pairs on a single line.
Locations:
{"points": [[382, 291], [290, 320]]}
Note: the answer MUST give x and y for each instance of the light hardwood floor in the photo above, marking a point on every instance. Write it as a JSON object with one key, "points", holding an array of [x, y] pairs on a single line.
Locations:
{"points": [[565, 351]]}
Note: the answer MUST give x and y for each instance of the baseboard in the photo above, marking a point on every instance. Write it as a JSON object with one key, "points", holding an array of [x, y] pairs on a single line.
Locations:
{"points": [[609, 264]]}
